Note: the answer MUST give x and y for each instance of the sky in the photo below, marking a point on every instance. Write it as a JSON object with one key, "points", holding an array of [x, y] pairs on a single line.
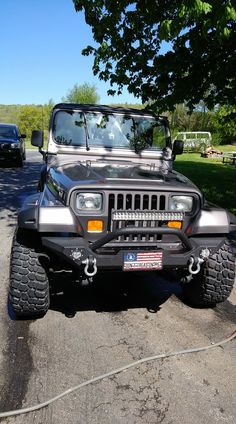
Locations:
{"points": [[40, 59]]}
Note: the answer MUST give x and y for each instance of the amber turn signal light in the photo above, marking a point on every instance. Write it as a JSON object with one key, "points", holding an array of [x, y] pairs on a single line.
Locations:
{"points": [[95, 226], [175, 224]]}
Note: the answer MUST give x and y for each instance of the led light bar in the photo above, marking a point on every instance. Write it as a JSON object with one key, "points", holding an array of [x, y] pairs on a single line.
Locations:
{"points": [[147, 216]]}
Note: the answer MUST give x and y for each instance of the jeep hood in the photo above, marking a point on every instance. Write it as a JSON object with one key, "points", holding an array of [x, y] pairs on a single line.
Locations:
{"points": [[118, 175]]}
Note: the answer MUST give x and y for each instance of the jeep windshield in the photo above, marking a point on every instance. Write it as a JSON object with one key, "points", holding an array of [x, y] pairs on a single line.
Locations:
{"points": [[109, 130]]}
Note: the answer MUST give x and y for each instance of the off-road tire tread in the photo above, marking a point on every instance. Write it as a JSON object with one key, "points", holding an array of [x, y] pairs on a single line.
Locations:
{"points": [[29, 286], [215, 281]]}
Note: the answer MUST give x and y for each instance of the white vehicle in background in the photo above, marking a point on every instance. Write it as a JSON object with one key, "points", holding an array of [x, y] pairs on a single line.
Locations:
{"points": [[195, 141]]}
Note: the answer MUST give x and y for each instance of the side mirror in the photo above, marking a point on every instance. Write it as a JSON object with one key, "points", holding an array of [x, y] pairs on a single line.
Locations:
{"points": [[23, 136], [37, 138], [178, 147]]}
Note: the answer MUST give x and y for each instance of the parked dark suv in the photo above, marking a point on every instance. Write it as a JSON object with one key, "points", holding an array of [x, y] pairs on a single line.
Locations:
{"points": [[12, 145], [109, 199]]}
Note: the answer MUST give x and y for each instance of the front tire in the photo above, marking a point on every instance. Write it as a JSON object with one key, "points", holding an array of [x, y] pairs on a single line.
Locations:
{"points": [[19, 162], [214, 283], [29, 285]]}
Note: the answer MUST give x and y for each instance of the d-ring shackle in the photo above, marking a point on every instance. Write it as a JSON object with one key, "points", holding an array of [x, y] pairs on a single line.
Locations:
{"points": [[90, 262], [197, 265]]}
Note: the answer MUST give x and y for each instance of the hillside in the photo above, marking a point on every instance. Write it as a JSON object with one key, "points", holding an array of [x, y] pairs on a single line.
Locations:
{"points": [[9, 113]]}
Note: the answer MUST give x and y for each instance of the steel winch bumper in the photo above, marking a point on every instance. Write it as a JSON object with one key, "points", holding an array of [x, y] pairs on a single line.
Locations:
{"points": [[81, 253]]}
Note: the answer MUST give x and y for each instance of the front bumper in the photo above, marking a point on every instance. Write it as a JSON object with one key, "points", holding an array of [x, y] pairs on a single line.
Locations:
{"points": [[76, 250], [10, 154]]}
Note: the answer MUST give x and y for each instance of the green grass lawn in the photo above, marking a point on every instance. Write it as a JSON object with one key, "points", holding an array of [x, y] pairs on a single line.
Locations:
{"points": [[216, 180]]}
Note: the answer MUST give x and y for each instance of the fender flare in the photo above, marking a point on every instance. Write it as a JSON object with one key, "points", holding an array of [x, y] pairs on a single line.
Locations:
{"points": [[28, 214], [212, 219]]}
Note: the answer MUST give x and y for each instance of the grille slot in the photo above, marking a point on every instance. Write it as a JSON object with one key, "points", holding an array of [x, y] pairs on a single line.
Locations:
{"points": [[143, 202]]}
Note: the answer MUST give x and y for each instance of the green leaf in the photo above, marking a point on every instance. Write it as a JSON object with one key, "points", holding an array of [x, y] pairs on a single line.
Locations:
{"points": [[231, 12], [199, 38], [164, 30], [202, 6]]}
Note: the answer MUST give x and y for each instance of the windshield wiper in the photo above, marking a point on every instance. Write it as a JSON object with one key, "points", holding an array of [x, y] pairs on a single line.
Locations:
{"points": [[86, 133]]}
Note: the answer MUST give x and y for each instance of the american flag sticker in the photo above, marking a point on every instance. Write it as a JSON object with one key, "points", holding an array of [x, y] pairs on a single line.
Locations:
{"points": [[142, 261]]}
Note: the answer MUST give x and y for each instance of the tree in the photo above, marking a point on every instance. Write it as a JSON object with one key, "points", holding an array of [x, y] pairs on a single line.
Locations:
{"points": [[182, 120], [225, 124], [200, 62], [46, 113], [85, 93], [30, 118], [34, 117]]}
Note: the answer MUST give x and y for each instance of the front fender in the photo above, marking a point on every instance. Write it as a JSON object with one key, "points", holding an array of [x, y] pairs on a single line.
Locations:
{"points": [[212, 219], [28, 215], [38, 214]]}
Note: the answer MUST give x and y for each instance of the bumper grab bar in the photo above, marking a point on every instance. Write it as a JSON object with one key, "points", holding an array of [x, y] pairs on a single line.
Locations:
{"points": [[134, 230]]}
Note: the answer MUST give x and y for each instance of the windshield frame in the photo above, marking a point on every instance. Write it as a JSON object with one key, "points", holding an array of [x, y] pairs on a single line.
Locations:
{"points": [[87, 142]]}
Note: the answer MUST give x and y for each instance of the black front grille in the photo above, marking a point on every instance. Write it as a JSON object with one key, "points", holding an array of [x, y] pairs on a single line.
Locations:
{"points": [[141, 201], [137, 201]]}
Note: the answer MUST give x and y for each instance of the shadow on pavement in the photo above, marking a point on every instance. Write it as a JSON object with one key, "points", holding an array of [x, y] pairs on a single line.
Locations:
{"points": [[113, 292], [15, 185]]}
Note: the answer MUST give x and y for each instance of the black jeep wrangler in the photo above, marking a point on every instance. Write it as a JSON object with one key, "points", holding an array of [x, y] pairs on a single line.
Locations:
{"points": [[109, 199]]}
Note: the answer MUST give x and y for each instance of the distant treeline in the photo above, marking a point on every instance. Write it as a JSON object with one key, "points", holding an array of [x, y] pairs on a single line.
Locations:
{"points": [[220, 122], [9, 113], [27, 117]]}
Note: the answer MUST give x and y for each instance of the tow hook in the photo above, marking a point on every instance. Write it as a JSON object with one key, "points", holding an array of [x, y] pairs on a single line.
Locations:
{"points": [[195, 264], [90, 262]]}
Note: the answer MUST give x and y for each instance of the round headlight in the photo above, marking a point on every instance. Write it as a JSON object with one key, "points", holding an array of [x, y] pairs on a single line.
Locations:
{"points": [[181, 203], [89, 201]]}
